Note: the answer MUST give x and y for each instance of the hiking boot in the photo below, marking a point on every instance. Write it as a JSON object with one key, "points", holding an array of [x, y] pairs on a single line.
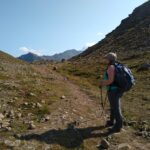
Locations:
{"points": [[115, 130], [109, 124]]}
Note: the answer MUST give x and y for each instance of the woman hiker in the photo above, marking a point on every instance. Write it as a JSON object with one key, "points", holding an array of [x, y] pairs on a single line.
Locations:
{"points": [[114, 94]]}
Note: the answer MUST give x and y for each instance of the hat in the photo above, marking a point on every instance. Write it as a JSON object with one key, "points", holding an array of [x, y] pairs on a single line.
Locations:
{"points": [[111, 56]]}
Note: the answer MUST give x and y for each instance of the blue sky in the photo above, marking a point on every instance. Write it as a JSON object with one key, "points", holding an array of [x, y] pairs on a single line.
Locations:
{"points": [[46, 27]]}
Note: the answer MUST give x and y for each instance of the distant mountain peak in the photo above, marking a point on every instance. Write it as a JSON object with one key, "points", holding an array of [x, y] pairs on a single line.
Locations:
{"points": [[31, 57]]}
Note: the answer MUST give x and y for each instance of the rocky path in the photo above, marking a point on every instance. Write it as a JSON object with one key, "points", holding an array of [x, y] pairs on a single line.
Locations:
{"points": [[76, 106]]}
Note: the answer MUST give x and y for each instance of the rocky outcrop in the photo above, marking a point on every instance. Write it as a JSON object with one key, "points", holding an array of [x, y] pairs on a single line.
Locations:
{"points": [[144, 67]]}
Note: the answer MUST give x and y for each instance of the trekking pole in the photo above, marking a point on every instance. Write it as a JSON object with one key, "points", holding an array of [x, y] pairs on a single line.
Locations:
{"points": [[102, 104], [105, 100]]}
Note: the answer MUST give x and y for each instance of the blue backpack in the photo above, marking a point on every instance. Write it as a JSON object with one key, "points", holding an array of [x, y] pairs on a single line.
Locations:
{"points": [[123, 77]]}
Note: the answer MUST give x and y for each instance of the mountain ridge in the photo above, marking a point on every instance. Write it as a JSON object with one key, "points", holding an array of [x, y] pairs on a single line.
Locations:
{"points": [[31, 57], [132, 34]]}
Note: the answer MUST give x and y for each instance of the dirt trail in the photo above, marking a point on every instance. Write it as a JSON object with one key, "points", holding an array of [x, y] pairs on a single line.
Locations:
{"points": [[76, 106], [82, 114]]}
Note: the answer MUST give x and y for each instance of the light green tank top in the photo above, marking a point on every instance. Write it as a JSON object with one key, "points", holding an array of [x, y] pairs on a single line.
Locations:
{"points": [[112, 87]]}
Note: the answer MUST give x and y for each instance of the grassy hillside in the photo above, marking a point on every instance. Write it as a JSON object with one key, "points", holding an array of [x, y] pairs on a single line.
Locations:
{"points": [[134, 101], [27, 93]]}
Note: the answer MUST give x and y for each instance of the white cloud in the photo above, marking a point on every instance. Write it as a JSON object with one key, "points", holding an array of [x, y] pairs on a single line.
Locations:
{"points": [[100, 34], [27, 50], [89, 44]]}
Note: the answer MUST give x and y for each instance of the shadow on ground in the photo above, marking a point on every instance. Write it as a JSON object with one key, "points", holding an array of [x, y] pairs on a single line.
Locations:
{"points": [[69, 138]]}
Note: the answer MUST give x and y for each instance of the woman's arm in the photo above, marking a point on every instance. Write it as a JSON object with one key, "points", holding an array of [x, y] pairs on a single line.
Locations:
{"points": [[111, 75]]}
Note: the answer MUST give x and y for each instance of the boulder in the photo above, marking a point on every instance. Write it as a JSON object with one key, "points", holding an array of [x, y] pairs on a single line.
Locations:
{"points": [[45, 119], [26, 103], [31, 94], [12, 143], [1, 116], [19, 115], [105, 144], [145, 122], [11, 114], [132, 123], [38, 105], [31, 126], [10, 101], [8, 128], [6, 123], [144, 67], [54, 68], [63, 97], [124, 146], [43, 102]]}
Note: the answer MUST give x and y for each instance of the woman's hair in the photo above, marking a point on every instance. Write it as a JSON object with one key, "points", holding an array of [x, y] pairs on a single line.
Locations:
{"points": [[112, 57]]}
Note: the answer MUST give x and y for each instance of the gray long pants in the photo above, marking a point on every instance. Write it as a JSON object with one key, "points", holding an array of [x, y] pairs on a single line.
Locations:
{"points": [[115, 108]]}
